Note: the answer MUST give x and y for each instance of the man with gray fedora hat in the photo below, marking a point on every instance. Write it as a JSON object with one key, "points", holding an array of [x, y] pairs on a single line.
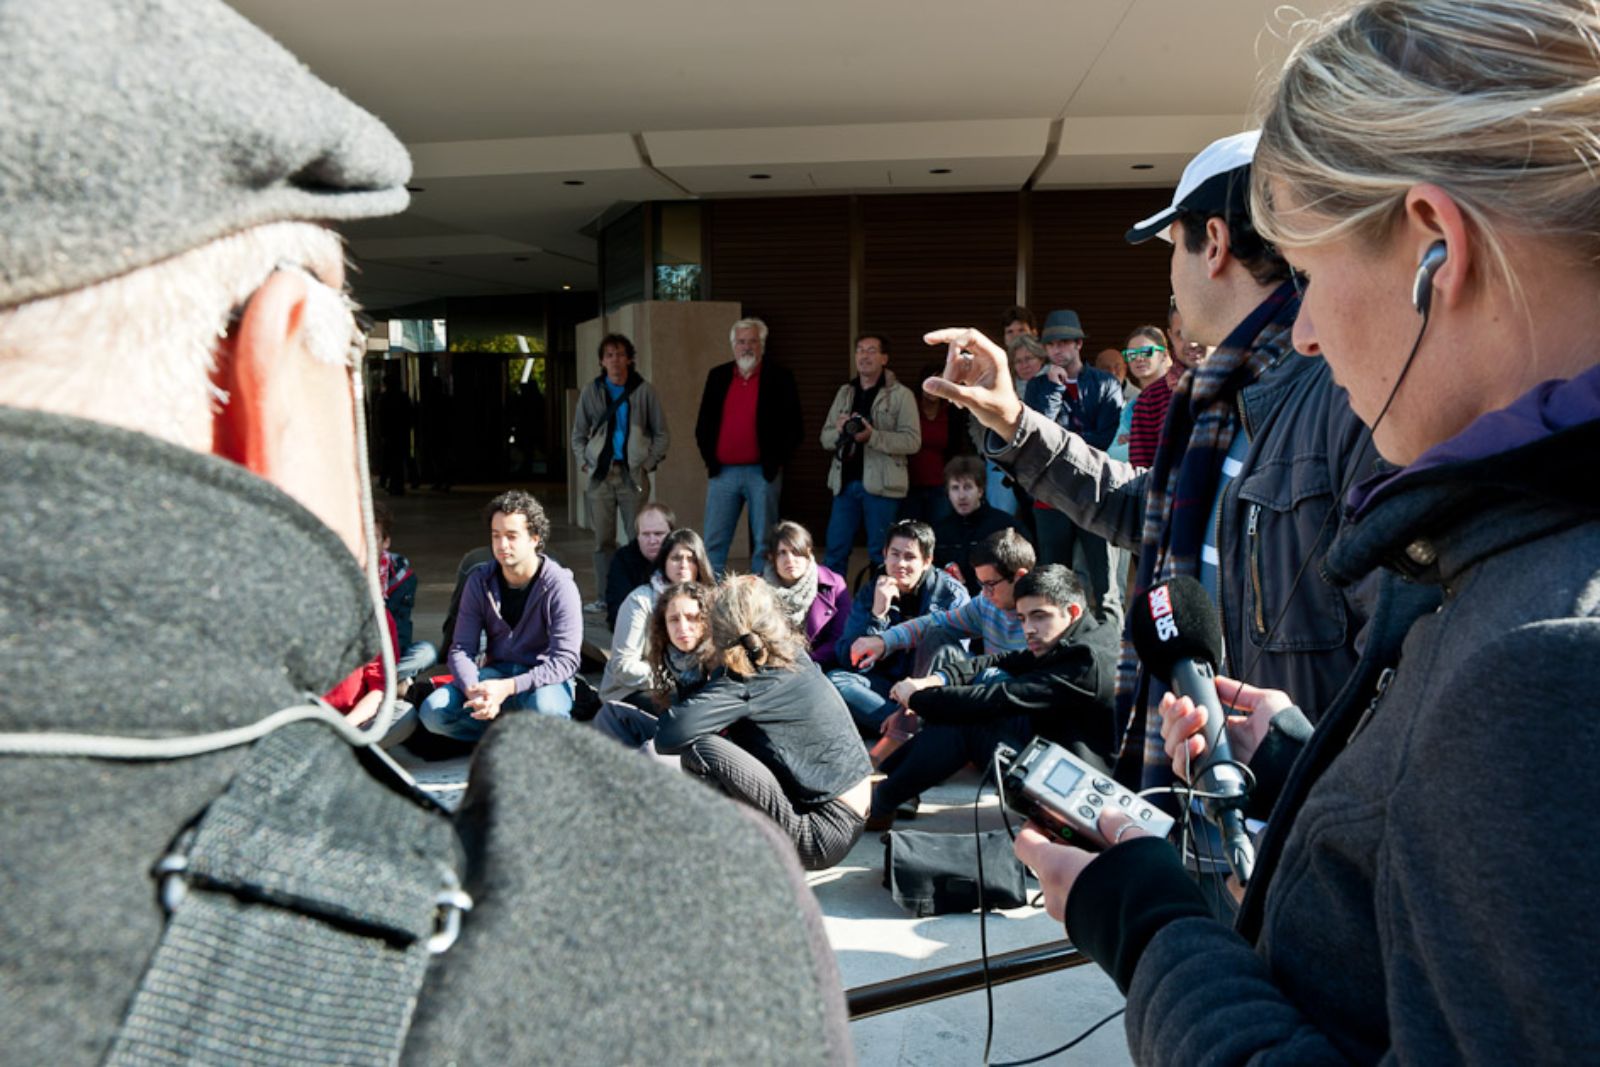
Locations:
{"points": [[1091, 406], [203, 862]]}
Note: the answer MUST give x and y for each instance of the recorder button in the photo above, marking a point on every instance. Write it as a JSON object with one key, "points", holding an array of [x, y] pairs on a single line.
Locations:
{"points": [[1125, 800], [1103, 786], [1087, 812], [1095, 800]]}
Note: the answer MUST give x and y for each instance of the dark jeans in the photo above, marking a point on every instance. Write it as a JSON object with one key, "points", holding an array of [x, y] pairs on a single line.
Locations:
{"points": [[821, 835], [940, 750]]}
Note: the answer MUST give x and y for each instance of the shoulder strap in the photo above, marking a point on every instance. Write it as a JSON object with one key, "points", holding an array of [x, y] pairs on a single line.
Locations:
{"points": [[306, 885]]}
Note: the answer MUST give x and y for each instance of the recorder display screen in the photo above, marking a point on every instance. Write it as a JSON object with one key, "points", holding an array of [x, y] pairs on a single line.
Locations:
{"points": [[1063, 777]]}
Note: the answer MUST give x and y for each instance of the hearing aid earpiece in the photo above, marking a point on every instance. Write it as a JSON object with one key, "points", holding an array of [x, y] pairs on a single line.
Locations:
{"points": [[1422, 286]]}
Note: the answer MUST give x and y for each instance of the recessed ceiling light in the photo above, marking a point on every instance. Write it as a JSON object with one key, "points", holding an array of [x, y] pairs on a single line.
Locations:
{"points": [[573, 181], [760, 177], [1144, 166], [939, 170], [415, 189], [566, 287]]}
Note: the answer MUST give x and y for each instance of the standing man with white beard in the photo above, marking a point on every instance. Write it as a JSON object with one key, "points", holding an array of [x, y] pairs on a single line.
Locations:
{"points": [[748, 428]]}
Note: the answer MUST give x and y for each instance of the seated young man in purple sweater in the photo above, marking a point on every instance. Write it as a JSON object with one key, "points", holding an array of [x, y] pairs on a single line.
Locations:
{"points": [[525, 609]]}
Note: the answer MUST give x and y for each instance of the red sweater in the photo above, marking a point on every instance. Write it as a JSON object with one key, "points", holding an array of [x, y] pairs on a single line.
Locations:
{"points": [[736, 439], [927, 464]]}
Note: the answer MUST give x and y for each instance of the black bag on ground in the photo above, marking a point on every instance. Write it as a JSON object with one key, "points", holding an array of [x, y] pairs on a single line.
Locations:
{"points": [[937, 874]]}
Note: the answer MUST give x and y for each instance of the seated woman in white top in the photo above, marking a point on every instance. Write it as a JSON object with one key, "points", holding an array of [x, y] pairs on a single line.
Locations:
{"points": [[682, 559]]}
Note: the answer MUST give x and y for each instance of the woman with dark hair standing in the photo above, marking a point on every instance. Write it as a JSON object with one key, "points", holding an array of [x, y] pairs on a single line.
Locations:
{"points": [[1424, 888], [770, 730], [815, 599], [682, 559]]}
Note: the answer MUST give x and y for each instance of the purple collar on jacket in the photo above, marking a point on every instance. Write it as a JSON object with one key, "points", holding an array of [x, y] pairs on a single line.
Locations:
{"points": [[1546, 409]]}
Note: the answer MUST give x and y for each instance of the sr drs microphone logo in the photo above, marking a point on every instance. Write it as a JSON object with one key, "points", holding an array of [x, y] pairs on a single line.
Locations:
{"points": [[1161, 613]]}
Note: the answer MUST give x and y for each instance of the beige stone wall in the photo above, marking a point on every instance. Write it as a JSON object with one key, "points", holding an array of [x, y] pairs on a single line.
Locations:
{"points": [[677, 343]]}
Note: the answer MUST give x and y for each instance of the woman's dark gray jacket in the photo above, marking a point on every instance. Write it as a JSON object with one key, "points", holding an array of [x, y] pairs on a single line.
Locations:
{"points": [[1425, 892]]}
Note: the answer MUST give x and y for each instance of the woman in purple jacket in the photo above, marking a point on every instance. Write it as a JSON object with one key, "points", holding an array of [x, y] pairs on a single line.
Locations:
{"points": [[816, 599]]}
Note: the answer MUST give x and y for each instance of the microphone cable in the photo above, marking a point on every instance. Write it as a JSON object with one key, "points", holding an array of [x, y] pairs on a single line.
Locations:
{"points": [[993, 768]]}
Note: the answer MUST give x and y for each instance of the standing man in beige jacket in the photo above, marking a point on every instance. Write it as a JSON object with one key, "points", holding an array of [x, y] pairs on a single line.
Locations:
{"points": [[870, 429]]}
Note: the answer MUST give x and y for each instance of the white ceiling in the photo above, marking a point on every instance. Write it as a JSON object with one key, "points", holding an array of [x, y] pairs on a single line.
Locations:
{"points": [[502, 102]]}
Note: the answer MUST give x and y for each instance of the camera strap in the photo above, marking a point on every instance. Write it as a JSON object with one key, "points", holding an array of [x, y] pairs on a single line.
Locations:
{"points": [[301, 880]]}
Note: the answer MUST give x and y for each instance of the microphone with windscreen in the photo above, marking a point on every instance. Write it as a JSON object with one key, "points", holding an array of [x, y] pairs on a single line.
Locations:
{"points": [[1178, 638]]}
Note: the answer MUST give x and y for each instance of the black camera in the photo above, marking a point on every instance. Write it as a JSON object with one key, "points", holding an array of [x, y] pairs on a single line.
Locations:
{"points": [[847, 436], [1065, 795]]}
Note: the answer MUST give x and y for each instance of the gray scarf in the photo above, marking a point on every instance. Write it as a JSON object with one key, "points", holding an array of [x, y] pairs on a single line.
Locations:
{"points": [[796, 599]]}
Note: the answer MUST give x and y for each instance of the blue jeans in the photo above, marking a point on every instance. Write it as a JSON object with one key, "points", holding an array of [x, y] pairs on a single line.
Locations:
{"points": [[417, 657], [867, 697], [446, 712], [727, 494], [849, 507]]}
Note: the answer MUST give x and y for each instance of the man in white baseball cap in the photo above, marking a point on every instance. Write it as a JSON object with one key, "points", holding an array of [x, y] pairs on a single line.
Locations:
{"points": [[1256, 446]]}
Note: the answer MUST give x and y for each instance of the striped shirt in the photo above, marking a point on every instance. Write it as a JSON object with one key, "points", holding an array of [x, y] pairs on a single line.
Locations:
{"points": [[1149, 417], [1001, 630]]}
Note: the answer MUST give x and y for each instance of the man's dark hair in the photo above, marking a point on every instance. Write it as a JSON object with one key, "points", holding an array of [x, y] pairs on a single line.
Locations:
{"points": [[1056, 584], [912, 530], [517, 502], [1007, 551], [883, 342], [1018, 313], [968, 467], [1261, 259], [621, 341]]}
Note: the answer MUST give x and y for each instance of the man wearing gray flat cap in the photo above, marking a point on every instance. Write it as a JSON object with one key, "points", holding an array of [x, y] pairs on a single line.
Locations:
{"points": [[201, 862]]}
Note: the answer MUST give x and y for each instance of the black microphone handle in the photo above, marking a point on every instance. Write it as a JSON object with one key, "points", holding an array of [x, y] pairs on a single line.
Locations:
{"points": [[1236, 842], [1196, 680], [1216, 773]]}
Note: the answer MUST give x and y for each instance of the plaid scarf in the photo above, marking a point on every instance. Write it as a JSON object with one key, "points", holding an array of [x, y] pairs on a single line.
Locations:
{"points": [[1181, 487]]}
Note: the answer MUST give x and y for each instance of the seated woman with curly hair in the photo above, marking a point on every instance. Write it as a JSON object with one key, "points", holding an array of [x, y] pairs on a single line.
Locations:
{"points": [[770, 730], [675, 640]]}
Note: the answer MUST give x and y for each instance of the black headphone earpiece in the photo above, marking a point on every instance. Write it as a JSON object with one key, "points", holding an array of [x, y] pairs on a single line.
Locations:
{"points": [[1422, 286]]}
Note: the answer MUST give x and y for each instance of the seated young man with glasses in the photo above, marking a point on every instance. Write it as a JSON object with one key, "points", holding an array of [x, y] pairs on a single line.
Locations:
{"points": [[1060, 686]]}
